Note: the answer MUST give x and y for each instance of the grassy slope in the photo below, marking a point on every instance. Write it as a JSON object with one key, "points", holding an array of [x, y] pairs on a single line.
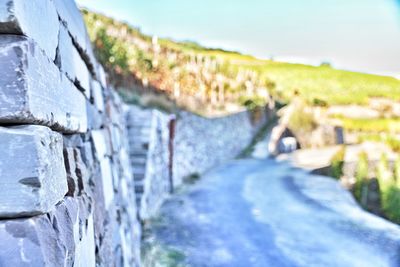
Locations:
{"points": [[322, 82], [315, 84]]}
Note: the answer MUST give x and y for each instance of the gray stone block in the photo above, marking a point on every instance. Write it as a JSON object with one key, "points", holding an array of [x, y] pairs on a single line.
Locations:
{"points": [[85, 249], [73, 140], [33, 177], [87, 155], [108, 184], [115, 137], [70, 62], [70, 166], [102, 77], [95, 119], [30, 242], [34, 91], [77, 173], [63, 237], [97, 95], [72, 18], [99, 143], [36, 19]]}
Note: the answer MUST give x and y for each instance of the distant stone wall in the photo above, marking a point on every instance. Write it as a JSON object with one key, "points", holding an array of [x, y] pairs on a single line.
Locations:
{"points": [[66, 190], [150, 157], [202, 143]]}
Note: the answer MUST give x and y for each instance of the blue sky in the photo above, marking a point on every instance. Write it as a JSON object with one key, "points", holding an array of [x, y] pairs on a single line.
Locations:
{"points": [[361, 35]]}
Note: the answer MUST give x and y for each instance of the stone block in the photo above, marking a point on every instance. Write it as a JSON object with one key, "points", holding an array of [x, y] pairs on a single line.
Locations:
{"points": [[113, 114], [77, 174], [71, 63], [102, 77], [70, 167], [107, 181], [33, 91], [99, 143], [63, 237], [73, 140], [87, 155], [85, 249], [72, 18], [97, 95], [116, 138], [30, 242], [33, 176], [94, 118], [36, 19]]}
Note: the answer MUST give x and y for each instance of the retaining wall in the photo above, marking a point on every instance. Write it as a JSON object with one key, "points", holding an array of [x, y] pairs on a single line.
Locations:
{"points": [[149, 136], [201, 143], [67, 196]]}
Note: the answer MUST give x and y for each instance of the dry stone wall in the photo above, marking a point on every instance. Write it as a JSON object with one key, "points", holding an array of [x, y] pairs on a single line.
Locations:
{"points": [[150, 157], [202, 143], [67, 195]]}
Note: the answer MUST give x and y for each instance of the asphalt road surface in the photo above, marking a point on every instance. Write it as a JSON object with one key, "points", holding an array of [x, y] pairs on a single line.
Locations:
{"points": [[262, 212]]}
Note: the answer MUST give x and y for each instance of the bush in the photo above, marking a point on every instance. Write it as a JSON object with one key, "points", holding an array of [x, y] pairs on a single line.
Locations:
{"points": [[319, 102], [397, 172], [390, 191], [391, 203], [384, 174], [361, 175], [337, 163], [302, 119]]}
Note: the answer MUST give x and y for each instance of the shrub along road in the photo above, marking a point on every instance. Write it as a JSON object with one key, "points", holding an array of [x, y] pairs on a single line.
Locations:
{"points": [[261, 212]]}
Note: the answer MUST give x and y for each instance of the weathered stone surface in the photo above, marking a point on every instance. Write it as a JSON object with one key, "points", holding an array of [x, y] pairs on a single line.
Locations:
{"points": [[94, 118], [150, 162], [73, 20], [96, 223], [116, 138], [70, 166], [33, 177], [107, 178], [99, 143], [87, 156], [30, 242], [226, 138], [77, 174], [97, 95], [63, 237], [85, 250], [36, 19], [33, 90], [102, 77], [73, 140], [70, 62]]}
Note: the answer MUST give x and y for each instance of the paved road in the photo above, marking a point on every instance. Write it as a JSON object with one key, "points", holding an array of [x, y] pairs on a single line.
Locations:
{"points": [[260, 212]]}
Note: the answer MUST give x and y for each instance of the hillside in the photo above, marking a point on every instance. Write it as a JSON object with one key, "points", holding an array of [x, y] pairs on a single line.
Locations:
{"points": [[197, 77]]}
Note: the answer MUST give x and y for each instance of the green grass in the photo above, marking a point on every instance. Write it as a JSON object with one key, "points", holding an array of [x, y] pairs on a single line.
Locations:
{"points": [[337, 163], [390, 192], [392, 141], [361, 176], [335, 87], [389, 186], [379, 125]]}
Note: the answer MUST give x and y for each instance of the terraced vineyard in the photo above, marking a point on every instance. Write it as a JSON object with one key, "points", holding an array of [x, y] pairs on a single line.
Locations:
{"points": [[196, 76]]}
